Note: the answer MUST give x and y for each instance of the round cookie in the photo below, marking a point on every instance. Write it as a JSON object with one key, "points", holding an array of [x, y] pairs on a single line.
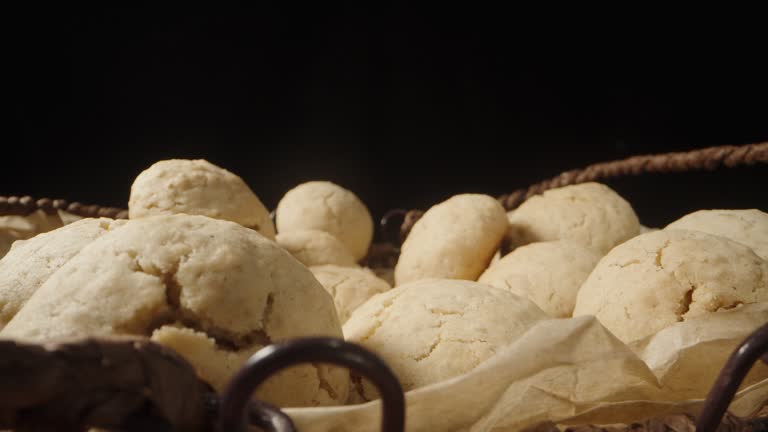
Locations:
{"points": [[591, 214], [455, 239], [208, 288], [663, 277], [30, 262], [748, 227], [325, 206], [435, 329], [197, 187], [349, 286], [547, 273], [314, 247]]}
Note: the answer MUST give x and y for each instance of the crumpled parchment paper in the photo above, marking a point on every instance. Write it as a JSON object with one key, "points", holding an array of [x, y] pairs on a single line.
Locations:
{"points": [[574, 371]]}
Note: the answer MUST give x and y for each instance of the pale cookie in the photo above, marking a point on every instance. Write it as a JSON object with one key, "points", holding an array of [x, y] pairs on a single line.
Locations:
{"points": [[197, 187], [29, 263], [350, 287], [221, 281], [325, 206], [748, 227], [657, 279], [314, 247], [435, 329], [455, 239], [547, 273], [591, 214]]}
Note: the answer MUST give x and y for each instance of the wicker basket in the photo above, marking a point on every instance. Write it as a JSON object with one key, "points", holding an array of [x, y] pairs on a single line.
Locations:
{"points": [[121, 384]]}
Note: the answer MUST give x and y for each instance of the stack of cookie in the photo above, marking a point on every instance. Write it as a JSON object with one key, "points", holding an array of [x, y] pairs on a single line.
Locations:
{"points": [[201, 267]]}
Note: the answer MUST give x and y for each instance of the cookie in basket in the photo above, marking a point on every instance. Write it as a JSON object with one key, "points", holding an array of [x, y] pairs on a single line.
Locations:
{"points": [[434, 329], [31, 262], [349, 286], [213, 290], [591, 214], [455, 239], [660, 278], [197, 187], [748, 227], [326, 206], [315, 247], [548, 273]]}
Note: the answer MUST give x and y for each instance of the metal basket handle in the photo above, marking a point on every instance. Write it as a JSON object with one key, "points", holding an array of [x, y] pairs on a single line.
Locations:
{"points": [[731, 376], [233, 416]]}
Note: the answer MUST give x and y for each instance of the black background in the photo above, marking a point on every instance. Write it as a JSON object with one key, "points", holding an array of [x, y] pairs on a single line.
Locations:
{"points": [[402, 108]]}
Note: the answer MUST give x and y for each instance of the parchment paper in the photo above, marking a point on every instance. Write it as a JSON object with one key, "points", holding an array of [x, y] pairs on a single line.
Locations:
{"points": [[574, 371]]}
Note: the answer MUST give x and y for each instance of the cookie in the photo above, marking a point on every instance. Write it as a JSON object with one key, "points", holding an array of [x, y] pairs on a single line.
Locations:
{"points": [[455, 239], [208, 288], [657, 279], [748, 227], [435, 329], [547, 273], [349, 286], [325, 206], [591, 214], [197, 187], [31, 262], [314, 247]]}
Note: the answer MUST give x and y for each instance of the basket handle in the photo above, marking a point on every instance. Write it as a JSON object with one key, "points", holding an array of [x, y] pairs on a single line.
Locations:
{"points": [[707, 159], [272, 358], [22, 206]]}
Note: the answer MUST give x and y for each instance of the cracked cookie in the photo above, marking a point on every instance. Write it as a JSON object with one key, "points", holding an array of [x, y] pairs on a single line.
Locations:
{"points": [[31, 262], [547, 273], [657, 279], [210, 289], [325, 206], [748, 227], [591, 214], [434, 329], [455, 239], [314, 247], [349, 286], [197, 187]]}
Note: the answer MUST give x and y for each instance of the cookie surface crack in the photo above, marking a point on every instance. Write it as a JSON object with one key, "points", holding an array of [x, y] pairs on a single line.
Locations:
{"points": [[176, 314], [660, 255], [685, 303], [377, 317], [432, 348]]}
